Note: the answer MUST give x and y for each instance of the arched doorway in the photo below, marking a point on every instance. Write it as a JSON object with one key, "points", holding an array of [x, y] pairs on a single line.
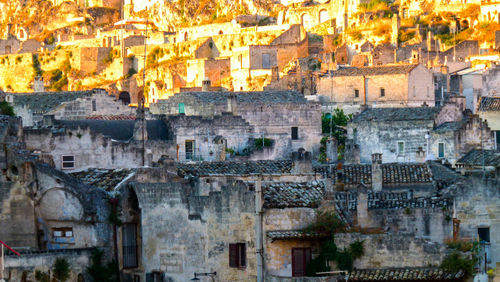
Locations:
{"points": [[323, 16]]}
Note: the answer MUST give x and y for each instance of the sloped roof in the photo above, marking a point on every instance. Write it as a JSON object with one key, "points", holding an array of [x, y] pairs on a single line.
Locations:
{"points": [[234, 168], [448, 126], [476, 158], [120, 130], [489, 104], [392, 173], [404, 274], [291, 195], [217, 97], [106, 179], [46, 101], [374, 70], [397, 114]]}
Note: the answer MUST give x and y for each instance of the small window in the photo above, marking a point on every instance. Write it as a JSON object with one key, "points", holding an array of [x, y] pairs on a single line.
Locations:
{"points": [[62, 232], [295, 133], [237, 255], [240, 61], [189, 147], [382, 92], [441, 150], [266, 61], [129, 245], [68, 162], [484, 234], [401, 148], [181, 108], [414, 92], [300, 258], [94, 106], [428, 92], [356, 93]]}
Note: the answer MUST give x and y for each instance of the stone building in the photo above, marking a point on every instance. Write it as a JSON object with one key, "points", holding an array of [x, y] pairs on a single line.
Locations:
{"points": [[412, 134], [70, 105], [489, 110], [283, 116], [75, 145], [252, 63], [351, 88], [46, 213]]}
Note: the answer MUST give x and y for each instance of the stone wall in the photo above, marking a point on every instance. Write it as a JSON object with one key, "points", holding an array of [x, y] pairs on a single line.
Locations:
{"points": [[93, 150], [29, 263], [82, 108], [195, 231], [393, 250]]}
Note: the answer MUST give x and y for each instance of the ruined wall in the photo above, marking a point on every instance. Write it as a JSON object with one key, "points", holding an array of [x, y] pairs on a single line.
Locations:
{"points": [[83, 108], [92, 150], [393, 250], [207, 225]]}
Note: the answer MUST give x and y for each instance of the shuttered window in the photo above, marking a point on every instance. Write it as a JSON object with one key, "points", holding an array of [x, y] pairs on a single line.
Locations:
{"points": [[300, 258], [237, 255], [129, 242]]}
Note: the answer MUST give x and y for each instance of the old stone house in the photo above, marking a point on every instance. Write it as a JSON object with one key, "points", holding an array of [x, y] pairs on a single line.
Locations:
{"points": [[75, 145], [216, 70], [251, 66], [413, 134], [46, 214], [70, 105], [292, 45], [350, 88], [286, 117], [489, 110]]}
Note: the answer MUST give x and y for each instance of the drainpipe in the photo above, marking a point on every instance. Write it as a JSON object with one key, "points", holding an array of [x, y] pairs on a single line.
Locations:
{"points": [[365, 89], [258, 230]]}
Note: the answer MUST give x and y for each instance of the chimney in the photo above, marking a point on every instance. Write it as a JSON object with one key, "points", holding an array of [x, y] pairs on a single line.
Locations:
{"points": [[302, 162], [377, 172], [339, 177], [232, 106], [420, 155], [205, 85], [331, 150]]}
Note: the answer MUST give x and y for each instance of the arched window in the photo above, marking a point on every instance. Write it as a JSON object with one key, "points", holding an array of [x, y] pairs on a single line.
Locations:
{"points": [[323, 16], [306, 20]]}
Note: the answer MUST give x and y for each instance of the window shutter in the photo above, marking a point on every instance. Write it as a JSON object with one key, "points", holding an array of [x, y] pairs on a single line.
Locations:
{"points": [[233, 255], [243, 255]]}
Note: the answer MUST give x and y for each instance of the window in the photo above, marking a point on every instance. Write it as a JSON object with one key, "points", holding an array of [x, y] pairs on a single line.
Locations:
{"points": [[68, 162], [181, 108], [440, 150], [189, 147], [414, 92], [484, 234], [237, 255], [300, 258], [295, 133], [356, 93], [240, 61], [94, 106], [428, 92], [266, 61], [382, 92], [63, 232], [129, 245], [401, 148]]}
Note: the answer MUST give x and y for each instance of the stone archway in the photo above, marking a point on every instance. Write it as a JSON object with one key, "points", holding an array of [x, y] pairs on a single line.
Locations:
{"points": [[323, 16]]}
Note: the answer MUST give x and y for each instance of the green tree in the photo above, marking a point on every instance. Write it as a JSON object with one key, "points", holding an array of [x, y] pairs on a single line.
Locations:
{"points": [[6, 109], [61, 269], [100, 271], [455, 262]]}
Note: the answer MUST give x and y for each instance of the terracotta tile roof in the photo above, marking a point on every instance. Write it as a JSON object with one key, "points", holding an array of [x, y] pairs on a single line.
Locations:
{"points": [[111, 117], [404, 274], [106, 179], [234, 168], [397, 114], [392, 173], [376, 70], [294, 234], [291, 195], [476, 157], [489, 104]]}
